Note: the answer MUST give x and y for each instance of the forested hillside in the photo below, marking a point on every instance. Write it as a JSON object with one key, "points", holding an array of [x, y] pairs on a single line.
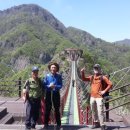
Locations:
{"points": [[31, 35]]}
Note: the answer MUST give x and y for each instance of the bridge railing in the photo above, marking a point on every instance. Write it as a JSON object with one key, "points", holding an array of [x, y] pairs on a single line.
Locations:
{"points": [[14, 88], [64, 94], [85, 116], [118, 98], [83, 96], [11, 88]]}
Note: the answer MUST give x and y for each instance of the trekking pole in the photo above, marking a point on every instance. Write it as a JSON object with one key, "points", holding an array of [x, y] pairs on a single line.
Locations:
{"points": [[22, 112], [53, 111], [22, 115], [25, 98]]}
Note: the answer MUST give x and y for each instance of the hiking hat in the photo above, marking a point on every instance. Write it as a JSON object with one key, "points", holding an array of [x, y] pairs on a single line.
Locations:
{"points": [[97, 66], [35, 68], [53, 63]]}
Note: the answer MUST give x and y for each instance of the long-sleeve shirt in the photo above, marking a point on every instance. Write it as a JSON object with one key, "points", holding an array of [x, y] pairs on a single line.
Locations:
{"points": [[96, 84], [55, 79]]}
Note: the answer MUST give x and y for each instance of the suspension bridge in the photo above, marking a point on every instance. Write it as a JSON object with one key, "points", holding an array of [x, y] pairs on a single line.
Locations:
{"points": [[75, 110]]}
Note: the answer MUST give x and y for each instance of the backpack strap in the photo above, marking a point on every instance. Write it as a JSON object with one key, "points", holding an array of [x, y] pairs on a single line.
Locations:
{"points": [[102, 80], [104, 84], [91, 81]]}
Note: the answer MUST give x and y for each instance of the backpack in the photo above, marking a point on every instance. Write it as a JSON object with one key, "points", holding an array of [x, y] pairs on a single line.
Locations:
{"points": [[104, 84]]}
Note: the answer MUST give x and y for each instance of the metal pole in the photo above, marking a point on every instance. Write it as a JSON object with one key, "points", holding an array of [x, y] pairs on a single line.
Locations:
{"points": [[19, 84]]}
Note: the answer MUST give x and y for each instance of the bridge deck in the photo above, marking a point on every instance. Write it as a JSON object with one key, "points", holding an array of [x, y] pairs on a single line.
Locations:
{"points": [[15, 105], [64, 127]]}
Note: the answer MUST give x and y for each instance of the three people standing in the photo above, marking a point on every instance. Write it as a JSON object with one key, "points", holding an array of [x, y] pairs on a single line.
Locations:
{"points": [[52, 83]]}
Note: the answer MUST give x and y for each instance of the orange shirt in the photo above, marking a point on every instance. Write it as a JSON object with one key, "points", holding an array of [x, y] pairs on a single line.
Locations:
{"points": [[96, 84]]}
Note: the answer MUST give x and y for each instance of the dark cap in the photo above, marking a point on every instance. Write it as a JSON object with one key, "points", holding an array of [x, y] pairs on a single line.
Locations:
{"points": [[97, 66], [53, 63], [35, 68]]}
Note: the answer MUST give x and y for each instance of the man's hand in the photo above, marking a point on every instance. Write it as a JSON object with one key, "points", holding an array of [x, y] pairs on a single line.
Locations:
{"points": [[101, 92], [52, 85], [83, 69], [25, 95], [24, 99]]}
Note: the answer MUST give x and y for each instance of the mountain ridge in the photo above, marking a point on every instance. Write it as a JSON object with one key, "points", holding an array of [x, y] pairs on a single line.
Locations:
{"points": [[32, 9], [123, 42], [31, 35]]}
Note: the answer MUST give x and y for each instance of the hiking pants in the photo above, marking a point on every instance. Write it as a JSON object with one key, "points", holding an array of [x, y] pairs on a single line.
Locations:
{"points": [[32, 111], [52, 101], [97, 109]]}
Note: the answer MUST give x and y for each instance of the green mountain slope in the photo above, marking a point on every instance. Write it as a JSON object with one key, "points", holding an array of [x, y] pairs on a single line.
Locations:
{"points": [[31, 35], [118, 55]]}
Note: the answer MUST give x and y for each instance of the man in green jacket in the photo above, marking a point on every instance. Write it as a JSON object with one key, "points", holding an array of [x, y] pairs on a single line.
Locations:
{"points": [[32, 93]]}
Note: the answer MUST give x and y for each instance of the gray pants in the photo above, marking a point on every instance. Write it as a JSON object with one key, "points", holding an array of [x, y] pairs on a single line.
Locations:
{"points": [[32, 111]]}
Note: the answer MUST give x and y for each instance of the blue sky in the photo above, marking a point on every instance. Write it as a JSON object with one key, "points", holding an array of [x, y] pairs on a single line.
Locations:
{"points": [[106, 19]]}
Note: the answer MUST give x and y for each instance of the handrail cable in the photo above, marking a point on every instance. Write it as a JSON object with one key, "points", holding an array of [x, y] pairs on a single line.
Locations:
{"points": [[117, 106], [118, 71], [118, 97], [119, 87], [121, 79]]}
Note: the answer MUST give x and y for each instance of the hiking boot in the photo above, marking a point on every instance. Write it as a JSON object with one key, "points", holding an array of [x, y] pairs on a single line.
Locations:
{"points": [[58, 127], [33, 126], [27, 128], [95, 125], [45, 127], [103, 127]]}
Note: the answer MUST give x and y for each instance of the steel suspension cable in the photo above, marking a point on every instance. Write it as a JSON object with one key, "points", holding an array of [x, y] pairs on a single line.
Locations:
{"points": [[121, 79]]}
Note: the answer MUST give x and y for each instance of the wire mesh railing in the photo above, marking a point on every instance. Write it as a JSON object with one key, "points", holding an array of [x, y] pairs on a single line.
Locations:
{"points": [[83, 93], [14, 88], [11, 88]]}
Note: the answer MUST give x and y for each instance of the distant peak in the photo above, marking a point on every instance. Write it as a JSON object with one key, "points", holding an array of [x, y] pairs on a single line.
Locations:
{"points": [[24, 7], [34, 10]]}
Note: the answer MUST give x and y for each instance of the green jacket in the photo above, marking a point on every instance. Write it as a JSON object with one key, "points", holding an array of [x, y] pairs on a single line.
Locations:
{"points": [[34, 87]]}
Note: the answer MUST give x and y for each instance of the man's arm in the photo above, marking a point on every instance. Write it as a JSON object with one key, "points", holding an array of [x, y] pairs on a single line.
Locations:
{"points": [[109, 85], [46, 82], [25, 91], [83, 75], [59, 82]]}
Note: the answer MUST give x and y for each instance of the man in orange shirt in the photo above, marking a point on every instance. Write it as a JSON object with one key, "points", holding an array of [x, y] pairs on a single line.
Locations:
{"points": [[97, 92]]}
